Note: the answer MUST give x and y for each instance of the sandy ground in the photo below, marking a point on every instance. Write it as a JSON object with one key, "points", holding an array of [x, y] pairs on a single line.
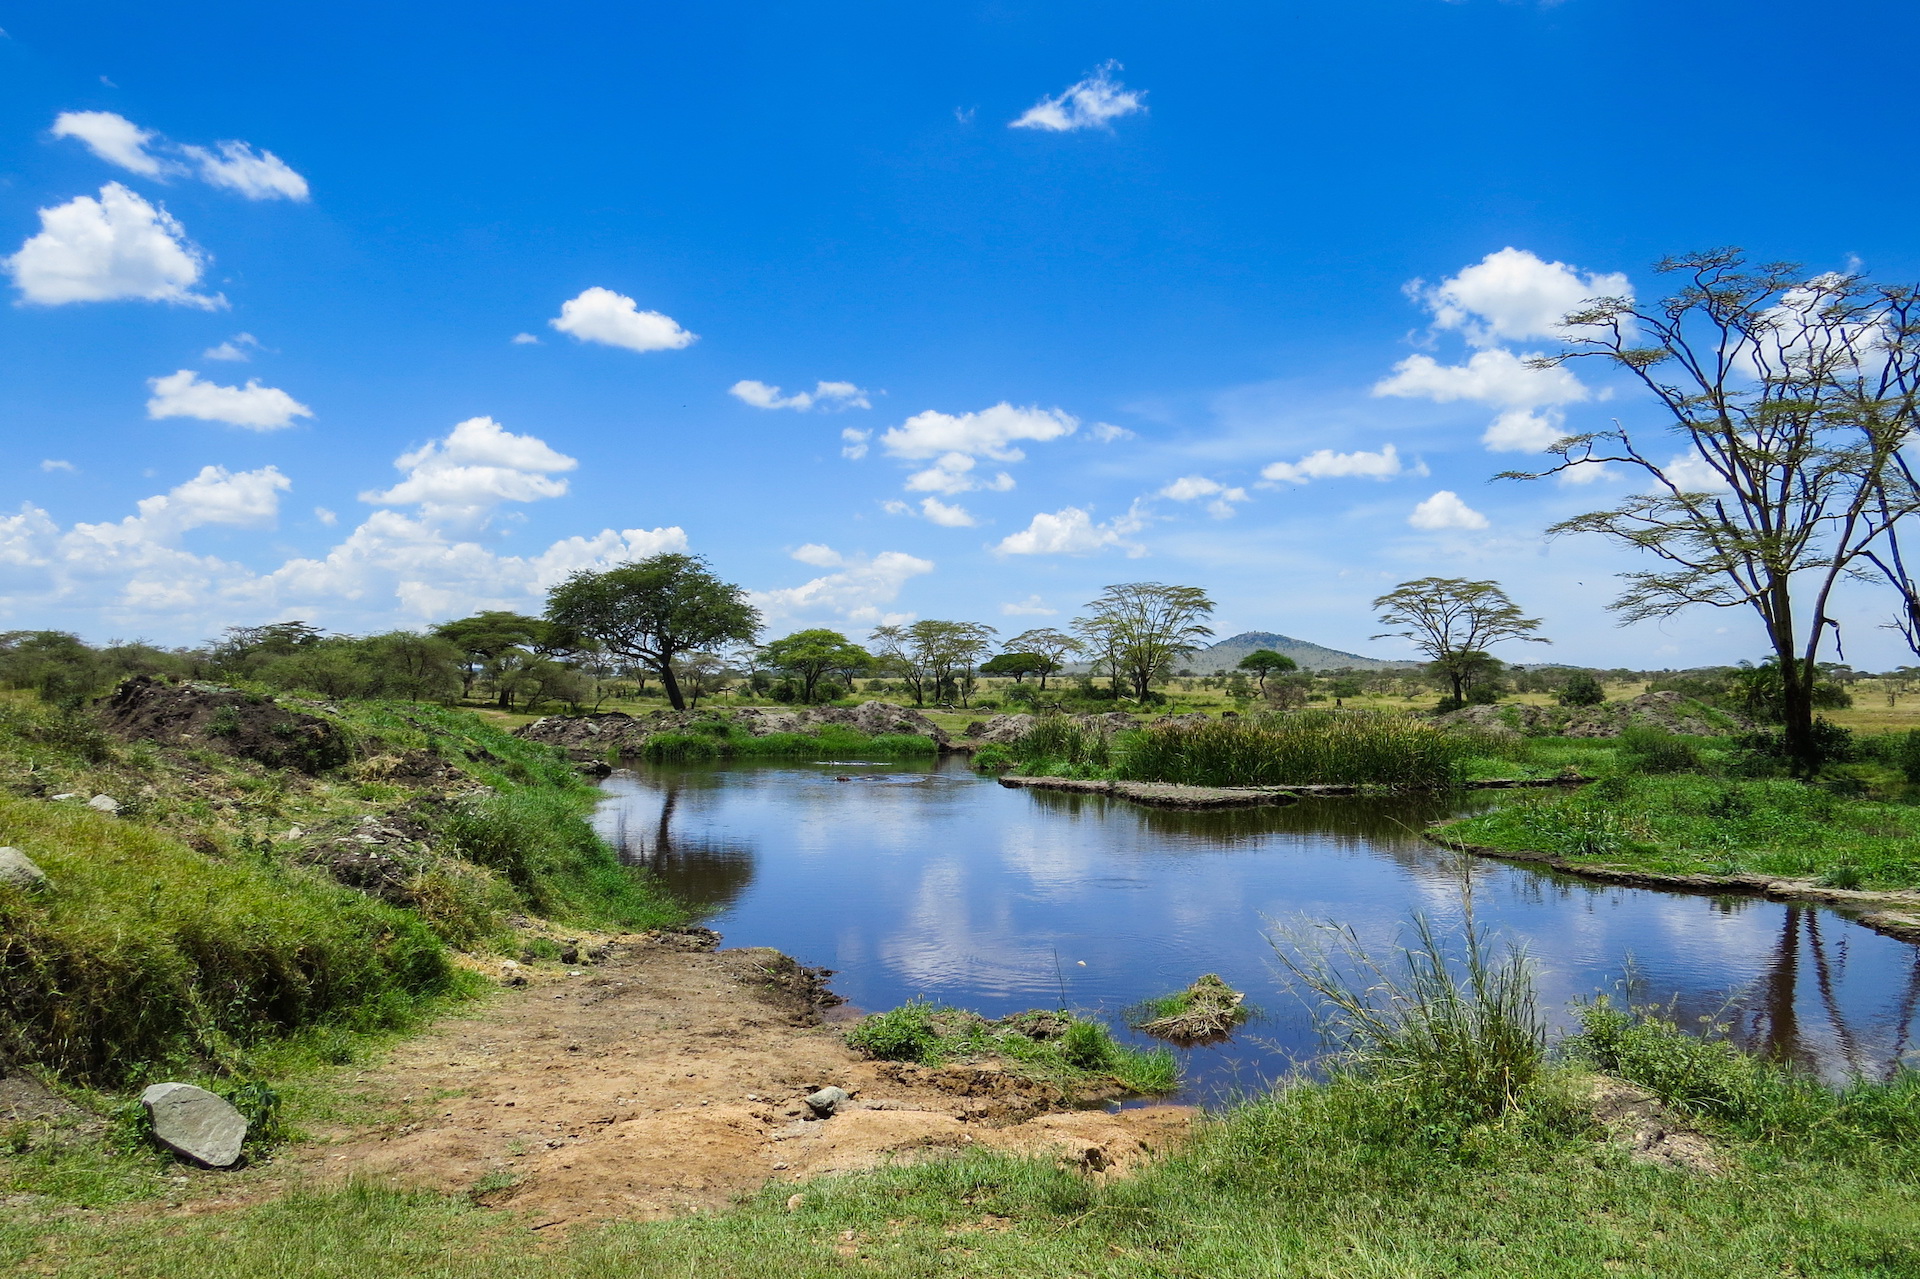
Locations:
{"points": [[668, 1078]]}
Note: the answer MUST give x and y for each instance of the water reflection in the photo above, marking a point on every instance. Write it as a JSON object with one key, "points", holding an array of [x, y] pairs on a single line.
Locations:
{"points": [[937, 883]]}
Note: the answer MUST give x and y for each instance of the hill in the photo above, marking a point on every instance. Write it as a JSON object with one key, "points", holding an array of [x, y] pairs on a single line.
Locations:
{"points": [[1225, 655]]}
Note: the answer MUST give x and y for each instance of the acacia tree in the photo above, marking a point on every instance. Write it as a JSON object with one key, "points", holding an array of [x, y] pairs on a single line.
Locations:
{"points": [[1264, 662], [1792, 398], [1053, 645], [1141, 627], [809, 655], [1454, 621], [934, 657], [653, 611]]}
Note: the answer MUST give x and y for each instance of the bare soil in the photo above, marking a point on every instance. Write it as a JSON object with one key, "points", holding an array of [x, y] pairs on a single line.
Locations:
{"points": [[669, 1078]]}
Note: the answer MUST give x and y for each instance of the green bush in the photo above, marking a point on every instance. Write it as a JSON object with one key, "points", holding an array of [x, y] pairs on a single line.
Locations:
{"points": [[1644, 749], [1301, 748]]}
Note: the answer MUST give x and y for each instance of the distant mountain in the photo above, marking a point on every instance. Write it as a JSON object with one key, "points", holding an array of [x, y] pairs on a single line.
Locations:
{"points": [[1225, 655]]}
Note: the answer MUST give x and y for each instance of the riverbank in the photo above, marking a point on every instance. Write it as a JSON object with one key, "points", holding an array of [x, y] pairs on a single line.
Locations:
{"points": [[1199, 798]]}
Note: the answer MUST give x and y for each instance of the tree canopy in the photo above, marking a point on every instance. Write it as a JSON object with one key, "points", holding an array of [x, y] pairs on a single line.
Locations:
{"points": [[1264, 662], [1454, 621], [653, 611], [810, 655], [1140, 628]]}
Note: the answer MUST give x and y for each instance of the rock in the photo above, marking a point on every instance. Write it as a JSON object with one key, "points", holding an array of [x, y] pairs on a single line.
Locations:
{"points": [[195, 1124], [104, 804], [827, 1100], [1002, 729], [18, 869]]}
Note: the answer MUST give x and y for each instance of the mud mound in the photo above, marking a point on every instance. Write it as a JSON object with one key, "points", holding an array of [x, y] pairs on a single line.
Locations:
{"points": [[1670, 712], [245, 725]]}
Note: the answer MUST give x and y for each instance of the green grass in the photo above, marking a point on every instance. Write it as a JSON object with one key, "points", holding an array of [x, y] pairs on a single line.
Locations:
{"points": [[1701, 824], [1067, 1051], [717, 739]]}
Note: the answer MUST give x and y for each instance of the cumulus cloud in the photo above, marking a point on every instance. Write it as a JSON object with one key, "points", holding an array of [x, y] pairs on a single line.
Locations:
{"points": [[1445, 510], [1032, 606], [1107, 432], [947, 516], [853, 443], [824, 396], [1513, 295], [1191, 488], [1326, 464], [614, 319], [1072, 531], [1497, 377], [52, 464], [1092, 103], [256, 407], [953, 473], [525, 339], [1524, 431], [480, 464], [855, 593], [257, 175], [989, 433], [117, 246], [236, 349], [1690, 473], [113, 138]]}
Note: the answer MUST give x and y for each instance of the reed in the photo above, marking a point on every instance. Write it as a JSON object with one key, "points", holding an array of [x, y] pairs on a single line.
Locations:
{"points": [[1303, 748]]}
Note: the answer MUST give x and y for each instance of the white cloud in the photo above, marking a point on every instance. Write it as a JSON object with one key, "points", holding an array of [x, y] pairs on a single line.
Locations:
{"points": [[855, 594], [1032, 606], [1091, 103], [256, 407], [1690, 473], [525, 339], [953, 473], [258, 175], [825, 395], [946, 516], [990, 432], [118, 246], [325, 516], [1072, 531], [1514, 295], [1327, 465], [58, 464], [1521, 431], [1497, 377], [480, 464], [113, 138], [1107, 432], [854, 443], [234, 349], [1445, 510], [1191, 488], [614, 319]]}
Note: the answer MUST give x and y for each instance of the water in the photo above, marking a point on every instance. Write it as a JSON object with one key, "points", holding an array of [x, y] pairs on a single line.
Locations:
{"points": [[929, 881]]}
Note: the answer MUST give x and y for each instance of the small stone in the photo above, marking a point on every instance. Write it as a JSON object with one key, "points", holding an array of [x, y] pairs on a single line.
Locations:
{"points": [[794, 1202], [66, 795], [195, 1124], [508, 965], [18, 869], [827, 1100], [104, 804]]}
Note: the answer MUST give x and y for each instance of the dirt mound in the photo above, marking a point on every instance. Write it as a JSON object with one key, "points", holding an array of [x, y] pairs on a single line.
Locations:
{"points": [[246, 725], [615, 732], [1670, 712]]}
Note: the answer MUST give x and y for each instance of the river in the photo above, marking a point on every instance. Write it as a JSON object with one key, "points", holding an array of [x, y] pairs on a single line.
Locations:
{"points": [[928, 881]]}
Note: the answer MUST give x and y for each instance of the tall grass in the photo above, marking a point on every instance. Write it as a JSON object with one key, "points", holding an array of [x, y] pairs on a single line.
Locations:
{"points": [[1455, 1030], [146, 953], [1306, 747], [716, 739]]}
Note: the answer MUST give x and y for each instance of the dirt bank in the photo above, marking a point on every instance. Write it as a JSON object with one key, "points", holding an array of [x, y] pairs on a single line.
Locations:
{"points": [[1174, 795], [1895, 914], [668, 1078]]}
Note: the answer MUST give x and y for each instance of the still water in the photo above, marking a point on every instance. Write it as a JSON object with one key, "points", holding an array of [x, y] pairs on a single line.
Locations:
{"points": [[929, 881]]}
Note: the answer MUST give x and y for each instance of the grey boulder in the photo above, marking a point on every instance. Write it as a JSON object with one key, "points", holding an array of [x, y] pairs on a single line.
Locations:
{"points": [[17, 868], [827, 1100], [195, 1124]]}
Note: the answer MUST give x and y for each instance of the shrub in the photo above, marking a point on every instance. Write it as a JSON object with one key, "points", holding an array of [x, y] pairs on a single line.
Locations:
{"points": [[1645, 749], [1305, 747], [1581, 689]]}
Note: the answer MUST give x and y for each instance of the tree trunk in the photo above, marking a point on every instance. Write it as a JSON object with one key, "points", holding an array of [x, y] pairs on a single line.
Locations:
{"points": [[1796, 715], [672, 685]]}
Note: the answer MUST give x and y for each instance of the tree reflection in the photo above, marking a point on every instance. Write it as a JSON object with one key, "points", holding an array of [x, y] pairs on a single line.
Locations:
{"points": [[710, 874], [1773, 1022]]}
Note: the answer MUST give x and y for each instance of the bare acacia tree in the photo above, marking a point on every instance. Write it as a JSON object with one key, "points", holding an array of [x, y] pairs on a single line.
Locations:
{"points": [[1141, 627], [1791, 397], [1048, 643], [1454, 621]]}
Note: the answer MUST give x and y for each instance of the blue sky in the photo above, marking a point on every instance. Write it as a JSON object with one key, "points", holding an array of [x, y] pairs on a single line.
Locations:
{"points": [[1252, 281]]}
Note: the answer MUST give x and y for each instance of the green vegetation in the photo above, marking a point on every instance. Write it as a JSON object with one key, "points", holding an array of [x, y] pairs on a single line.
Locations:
{"points": [[1299, 748], [1206, 1011], [719, 739], [1067, 1051]]}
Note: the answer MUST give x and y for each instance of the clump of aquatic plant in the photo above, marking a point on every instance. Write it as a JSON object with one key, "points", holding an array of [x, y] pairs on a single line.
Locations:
{"points": [[1204, 1012], [716, 739], [1453, 1029], [1063, 1049], [1300, 748]]}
